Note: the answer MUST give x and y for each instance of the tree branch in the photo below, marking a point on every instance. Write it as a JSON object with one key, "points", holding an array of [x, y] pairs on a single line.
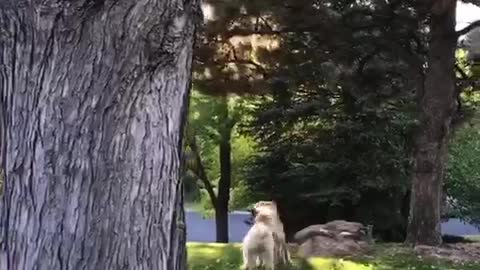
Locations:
{"points": [[247, 62], [201, 173], [268, 31], [469, 28]]}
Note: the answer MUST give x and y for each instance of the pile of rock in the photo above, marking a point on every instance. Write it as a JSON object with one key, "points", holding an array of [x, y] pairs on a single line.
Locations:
{"points": [[335, 238]]}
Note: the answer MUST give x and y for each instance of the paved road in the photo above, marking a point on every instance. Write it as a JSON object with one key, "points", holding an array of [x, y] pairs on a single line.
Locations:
{"points": [[455, 226], [203, 230]]}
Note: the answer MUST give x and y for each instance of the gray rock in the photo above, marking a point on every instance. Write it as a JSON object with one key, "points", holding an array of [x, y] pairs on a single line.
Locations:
{"points": [[335, 238]]}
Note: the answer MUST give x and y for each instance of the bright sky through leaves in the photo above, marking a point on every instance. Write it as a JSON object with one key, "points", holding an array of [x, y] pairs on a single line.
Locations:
{"points": [[466, 14]]}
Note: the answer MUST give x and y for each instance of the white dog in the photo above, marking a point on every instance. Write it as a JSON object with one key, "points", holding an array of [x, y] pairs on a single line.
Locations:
{"points": [[282, 256], [259, 243]]}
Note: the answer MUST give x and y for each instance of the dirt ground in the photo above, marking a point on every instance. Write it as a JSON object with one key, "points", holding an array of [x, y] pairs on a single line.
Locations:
{"points": [[458, 253]]}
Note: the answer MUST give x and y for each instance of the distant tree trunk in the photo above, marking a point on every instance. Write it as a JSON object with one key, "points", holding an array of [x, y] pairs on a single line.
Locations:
{"points": [[437, 106], [95, 96], [223, 194]]}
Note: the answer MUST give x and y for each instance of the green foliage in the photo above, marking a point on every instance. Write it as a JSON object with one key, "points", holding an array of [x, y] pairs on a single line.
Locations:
{"points": [[204, 205], [206, 123], [463, 169], [350, 167], [334, 137], [463, 174], [191, 188], [333, 130], [469, 98], [243, 148]]}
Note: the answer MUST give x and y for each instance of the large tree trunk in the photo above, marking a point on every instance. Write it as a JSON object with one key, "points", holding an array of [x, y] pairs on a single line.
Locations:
{"points": [[95, 95], [2, 144], [224, 184], [437, 106]]}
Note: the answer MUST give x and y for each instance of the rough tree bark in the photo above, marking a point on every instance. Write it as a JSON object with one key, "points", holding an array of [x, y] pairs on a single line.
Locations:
{"points": [[437, 106], [2, 144], [2, 133], [95, 95], [225, 182]]}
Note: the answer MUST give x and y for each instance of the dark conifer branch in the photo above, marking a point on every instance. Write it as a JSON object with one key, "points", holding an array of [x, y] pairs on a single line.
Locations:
{"points": [[469, 28]]}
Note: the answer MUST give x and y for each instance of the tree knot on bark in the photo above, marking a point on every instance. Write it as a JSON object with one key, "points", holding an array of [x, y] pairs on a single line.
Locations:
{"points": [[165, 43], [94, 4], [181, 226]]}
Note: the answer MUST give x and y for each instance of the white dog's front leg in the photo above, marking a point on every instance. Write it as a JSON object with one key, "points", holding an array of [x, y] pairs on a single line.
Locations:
{"points": [[249, 260], [270, 259]]}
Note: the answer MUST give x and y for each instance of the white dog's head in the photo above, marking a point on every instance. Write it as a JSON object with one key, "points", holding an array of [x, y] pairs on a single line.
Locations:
{"points": [[264, 218], [266, 208]]}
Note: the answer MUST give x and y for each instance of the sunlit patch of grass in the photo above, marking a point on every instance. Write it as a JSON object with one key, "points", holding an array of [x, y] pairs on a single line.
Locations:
{"points": [[212, 256], [338, 264], [475, 238], [206, 256]]}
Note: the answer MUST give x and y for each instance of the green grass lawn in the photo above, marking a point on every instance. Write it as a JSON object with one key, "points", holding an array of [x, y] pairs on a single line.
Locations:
{"points": [[210, 256]]}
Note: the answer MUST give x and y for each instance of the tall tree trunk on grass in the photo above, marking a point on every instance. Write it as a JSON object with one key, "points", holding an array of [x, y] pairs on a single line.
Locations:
{"points": [[437, 106], [224, 184], [95, 96]]}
